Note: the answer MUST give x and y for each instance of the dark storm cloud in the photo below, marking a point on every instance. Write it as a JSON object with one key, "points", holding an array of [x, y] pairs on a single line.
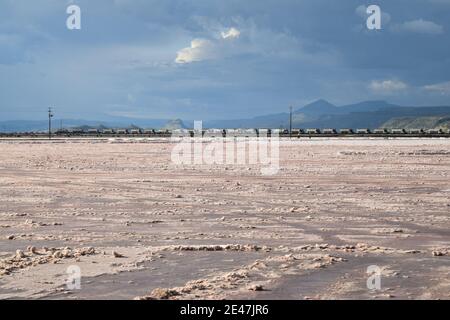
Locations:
{"points": [[218, 59]]}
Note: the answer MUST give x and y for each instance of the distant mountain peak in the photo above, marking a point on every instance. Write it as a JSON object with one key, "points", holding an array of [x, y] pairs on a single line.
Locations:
{"points": [[319, 103], [318, 107], [175, 124]]}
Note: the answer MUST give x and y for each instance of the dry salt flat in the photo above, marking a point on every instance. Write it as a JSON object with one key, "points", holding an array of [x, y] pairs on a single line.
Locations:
{"points": [[141, 227]]}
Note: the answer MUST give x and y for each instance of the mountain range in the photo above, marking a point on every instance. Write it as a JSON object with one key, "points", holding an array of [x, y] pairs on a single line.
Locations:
{"points": [[319, 114], [323, 114]]}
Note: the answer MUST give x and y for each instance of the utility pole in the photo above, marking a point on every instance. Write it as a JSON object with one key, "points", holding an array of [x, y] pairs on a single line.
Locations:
{"points": [[290, 122], [50, 116]]}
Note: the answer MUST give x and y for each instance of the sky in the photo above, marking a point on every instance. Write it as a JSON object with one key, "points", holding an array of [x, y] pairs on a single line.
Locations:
{"points": [[217, 59]]}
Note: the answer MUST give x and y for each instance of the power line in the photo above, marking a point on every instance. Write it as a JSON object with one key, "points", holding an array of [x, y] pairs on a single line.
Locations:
{"points": [[290, 122], [50, 116]]}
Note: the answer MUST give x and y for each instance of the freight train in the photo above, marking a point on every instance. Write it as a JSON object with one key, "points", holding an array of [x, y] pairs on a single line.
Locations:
{"points": [[230, 133]]}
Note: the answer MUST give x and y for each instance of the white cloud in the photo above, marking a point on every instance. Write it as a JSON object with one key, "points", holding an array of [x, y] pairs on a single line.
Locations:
{"points": [[387, 86], [442, 88], [232, 33], [205, 49], [361, 11], [200, 49], [420, 26]]}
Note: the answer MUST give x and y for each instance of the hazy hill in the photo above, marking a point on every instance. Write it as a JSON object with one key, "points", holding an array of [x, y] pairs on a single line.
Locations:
{"points": [[322, 114], [42, 125], [323, 107], [374, 119], [319, 114], [418, 123], [174, 125]]}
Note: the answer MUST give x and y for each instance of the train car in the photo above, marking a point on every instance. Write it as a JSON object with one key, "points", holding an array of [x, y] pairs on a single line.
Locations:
{"points": [[107, 131], [346, 131], [313, 131], [276, 132], [93, 131], [435, 131], [122, 131], [398, 131], [249, 133], [214, 133], [191, 133], [329, 131], [363, 131], [163, 133], [241, 133], [75, 131], [135, 131], [231, 132], [264, 133], [60, 132], [181, 133], [381, 131], [149, 131], [416, 131]]}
